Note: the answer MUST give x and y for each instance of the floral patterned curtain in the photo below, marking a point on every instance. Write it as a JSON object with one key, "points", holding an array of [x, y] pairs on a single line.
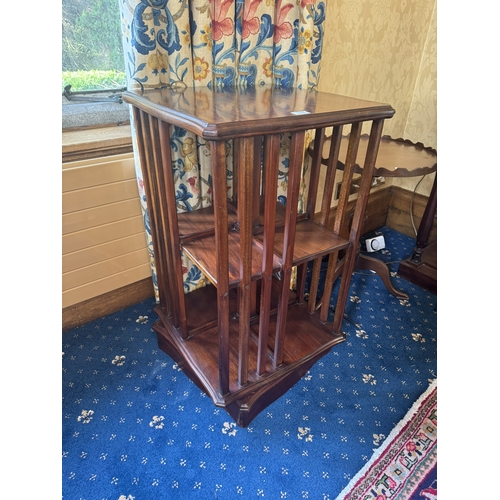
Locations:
{"points": [[217, 43]]}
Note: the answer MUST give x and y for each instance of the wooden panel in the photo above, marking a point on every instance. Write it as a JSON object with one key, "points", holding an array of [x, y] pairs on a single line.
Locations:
{"points": [[108, 303], [375, 214], [99, 253], [376, 209], [96, 142], [103, 239], [108, 284], [398, 217], [401, 199], [99, 195], [401, 221], [103, 269], [100, 173], [101, 234], [76, 140], [105, 214], [95, 161]]}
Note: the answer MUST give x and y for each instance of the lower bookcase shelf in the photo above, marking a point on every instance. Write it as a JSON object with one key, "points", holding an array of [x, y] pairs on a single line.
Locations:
{"points": [[306, 340]]}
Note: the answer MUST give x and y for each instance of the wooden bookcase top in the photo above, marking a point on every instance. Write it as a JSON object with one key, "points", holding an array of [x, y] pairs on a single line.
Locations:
{"points": [[243, 112]]}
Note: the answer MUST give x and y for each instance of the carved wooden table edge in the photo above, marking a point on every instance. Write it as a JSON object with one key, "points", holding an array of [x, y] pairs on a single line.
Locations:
{"points": [[397, 171]]}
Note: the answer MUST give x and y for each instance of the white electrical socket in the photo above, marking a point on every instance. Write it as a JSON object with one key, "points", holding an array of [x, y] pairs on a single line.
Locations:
{"points": [[374, 244]]}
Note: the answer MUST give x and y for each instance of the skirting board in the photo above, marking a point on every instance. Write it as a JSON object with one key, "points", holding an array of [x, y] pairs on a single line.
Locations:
{"points": [[398, 217], [108, 303]]}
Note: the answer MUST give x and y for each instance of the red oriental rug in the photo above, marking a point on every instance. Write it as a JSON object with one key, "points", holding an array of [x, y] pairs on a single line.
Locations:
{"points": [[405, 466]]}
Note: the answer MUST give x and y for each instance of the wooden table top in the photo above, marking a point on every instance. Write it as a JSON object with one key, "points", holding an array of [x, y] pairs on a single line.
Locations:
{"points": [[396, 157], [243, 112]]}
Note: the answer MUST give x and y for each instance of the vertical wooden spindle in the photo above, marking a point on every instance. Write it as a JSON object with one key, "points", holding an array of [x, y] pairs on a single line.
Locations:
{"points": [[271, 158], [245, 160], [162, 223], [296, 157], [141, 123], [326, 201], [167, 178], [218, 149], [350, 162]]}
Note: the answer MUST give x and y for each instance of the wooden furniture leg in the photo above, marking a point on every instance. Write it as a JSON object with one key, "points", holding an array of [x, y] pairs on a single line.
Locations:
{"points": [[378, 266], [421, 267]]}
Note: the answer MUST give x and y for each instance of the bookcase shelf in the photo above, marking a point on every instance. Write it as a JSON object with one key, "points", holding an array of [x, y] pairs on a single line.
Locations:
{"points": [[199, 223], [203, 255], [311, 241]]}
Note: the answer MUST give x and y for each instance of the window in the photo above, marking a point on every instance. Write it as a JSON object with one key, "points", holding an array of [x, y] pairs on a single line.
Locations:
{"points": [[93, 68], [92, 54]]}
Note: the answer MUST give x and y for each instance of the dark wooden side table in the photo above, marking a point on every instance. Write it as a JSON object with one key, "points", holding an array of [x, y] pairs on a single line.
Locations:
{"points": [[246, 338], [396, 158]]}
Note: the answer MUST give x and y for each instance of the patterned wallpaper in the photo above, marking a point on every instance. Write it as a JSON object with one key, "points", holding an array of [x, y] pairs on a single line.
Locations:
{"points": [[386, 50]]}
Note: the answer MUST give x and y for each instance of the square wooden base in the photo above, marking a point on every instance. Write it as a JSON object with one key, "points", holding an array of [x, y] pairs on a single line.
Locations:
{"points": [[307, 340]]}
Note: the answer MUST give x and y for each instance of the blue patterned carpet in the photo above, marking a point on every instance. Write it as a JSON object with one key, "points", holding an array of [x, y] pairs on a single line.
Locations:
{"points": [[135, 427]]}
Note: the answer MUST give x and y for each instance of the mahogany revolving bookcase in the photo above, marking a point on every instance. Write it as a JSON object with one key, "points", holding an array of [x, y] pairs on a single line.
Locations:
{"points": [[247, 337]]}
